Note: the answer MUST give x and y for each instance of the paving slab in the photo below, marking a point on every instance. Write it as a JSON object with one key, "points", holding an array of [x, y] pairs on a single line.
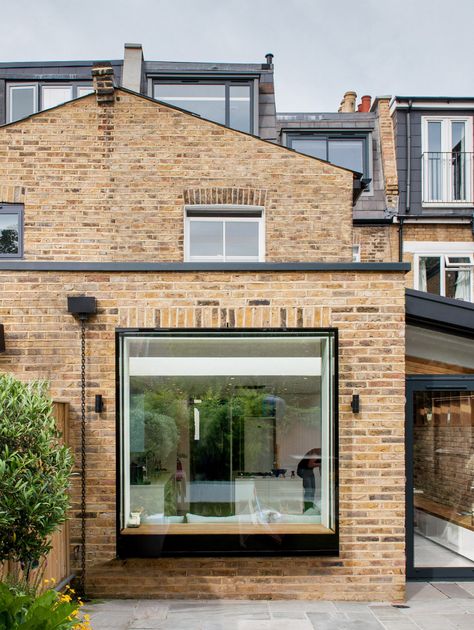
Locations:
{"points": [[452, 589], [430, 606], [423, 590]]}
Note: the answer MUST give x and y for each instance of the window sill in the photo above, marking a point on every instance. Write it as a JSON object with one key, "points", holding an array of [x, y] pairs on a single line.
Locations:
{"points": [[226, 528]]}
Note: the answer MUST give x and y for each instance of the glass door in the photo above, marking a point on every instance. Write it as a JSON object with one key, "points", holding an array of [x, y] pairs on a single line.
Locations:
{"points": [[440, 477]]}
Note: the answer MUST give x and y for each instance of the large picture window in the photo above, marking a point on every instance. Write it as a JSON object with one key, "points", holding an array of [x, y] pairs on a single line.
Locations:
{"points": [[227, 442]]}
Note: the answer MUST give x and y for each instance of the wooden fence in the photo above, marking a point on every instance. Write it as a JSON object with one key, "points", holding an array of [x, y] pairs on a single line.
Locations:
{"points": [[57, 561]]}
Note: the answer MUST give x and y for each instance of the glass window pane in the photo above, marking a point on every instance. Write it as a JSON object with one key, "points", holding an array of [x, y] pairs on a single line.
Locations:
{"points": [[232, 432], [54, 95], [241, 238], [458, 134], [84, 90], [434, 136], [316, 147], [206, 100], [240, 107], [443, 434], [458, 284], [9, 233], [22, 102], [206, 238], [429, 274], [347, 153]]}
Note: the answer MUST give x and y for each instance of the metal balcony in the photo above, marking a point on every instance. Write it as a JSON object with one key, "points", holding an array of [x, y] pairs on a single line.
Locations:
{"points": [[447, 177]]}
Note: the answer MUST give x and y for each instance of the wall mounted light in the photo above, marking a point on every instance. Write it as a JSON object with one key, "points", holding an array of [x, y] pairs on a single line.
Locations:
{"points": [[355, 403], [99, 403], [2, 338]]}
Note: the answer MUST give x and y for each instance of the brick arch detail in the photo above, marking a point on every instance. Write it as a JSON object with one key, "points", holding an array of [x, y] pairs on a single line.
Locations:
{"points": [[234, 196]]}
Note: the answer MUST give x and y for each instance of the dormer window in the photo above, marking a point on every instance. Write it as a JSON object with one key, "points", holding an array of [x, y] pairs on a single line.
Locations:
{"points": [[24, 99], [347, 149], [224, 234], [227, 102]]}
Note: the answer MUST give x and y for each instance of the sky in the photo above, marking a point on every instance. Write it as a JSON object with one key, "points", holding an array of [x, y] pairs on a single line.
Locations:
{"points": [[321, 48]]}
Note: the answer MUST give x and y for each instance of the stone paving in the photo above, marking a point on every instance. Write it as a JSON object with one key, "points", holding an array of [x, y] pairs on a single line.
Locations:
{"points": [[429, 606]]}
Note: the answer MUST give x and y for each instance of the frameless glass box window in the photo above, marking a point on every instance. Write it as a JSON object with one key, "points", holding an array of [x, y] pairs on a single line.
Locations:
{"points": [[228, 435]]}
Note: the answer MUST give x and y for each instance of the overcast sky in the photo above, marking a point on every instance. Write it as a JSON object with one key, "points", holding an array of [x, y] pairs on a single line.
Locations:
{"points": [[321, 48]]}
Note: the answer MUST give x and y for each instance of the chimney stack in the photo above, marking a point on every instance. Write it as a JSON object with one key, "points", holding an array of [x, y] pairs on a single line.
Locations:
{"points": [[103, 81], [348, 103], [132, 67]]}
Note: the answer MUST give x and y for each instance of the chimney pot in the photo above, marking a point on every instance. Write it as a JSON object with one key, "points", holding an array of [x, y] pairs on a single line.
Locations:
{"points": [[365, 104], [348, 103]]}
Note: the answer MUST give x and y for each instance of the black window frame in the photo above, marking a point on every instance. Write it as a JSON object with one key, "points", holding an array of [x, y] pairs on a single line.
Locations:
{"points": [[75, 85], [14, 208], [155, 545], [227, 83], [327, 135]]}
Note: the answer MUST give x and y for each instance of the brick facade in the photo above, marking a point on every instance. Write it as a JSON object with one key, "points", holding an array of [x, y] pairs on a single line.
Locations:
{"points": [[43, 342], [109, 183]]}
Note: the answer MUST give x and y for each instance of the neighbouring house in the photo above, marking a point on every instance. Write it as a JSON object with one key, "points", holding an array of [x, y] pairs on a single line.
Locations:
{"points": [[240, 281]]}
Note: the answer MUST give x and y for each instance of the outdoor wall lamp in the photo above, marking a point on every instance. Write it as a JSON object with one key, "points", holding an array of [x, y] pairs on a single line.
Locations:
{"points": [[99, 403], [2, 338], [355, 403]]}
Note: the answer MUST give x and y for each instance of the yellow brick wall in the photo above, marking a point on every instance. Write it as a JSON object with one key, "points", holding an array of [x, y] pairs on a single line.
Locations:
{"points": [[110, 182], [368, 310]]}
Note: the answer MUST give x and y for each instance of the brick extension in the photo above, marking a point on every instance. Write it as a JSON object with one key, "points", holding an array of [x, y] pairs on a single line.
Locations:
{"points": [[109, 183]]}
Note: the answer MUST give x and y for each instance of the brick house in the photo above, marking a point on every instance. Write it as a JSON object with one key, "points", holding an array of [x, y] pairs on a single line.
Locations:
{"points": [[248, 331]]}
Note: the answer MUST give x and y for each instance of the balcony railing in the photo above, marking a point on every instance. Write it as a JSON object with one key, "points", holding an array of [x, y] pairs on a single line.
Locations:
{"points": [[447, 177]]}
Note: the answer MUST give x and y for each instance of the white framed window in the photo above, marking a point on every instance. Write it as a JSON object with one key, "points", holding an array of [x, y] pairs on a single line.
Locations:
{"points": [[449, 275], [224, 233], [53, 95], [24, 99], [447, 160]]}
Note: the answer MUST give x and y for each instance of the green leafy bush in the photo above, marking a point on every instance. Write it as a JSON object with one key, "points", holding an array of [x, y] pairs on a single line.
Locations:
{"points": [[49, 611], [34, 473]]}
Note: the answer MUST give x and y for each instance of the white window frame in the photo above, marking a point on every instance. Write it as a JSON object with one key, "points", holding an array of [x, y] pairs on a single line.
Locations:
{"points": [[56, 86], [446, 131], [445, 265], [75, 89], [225, 213], [19, 86]]}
